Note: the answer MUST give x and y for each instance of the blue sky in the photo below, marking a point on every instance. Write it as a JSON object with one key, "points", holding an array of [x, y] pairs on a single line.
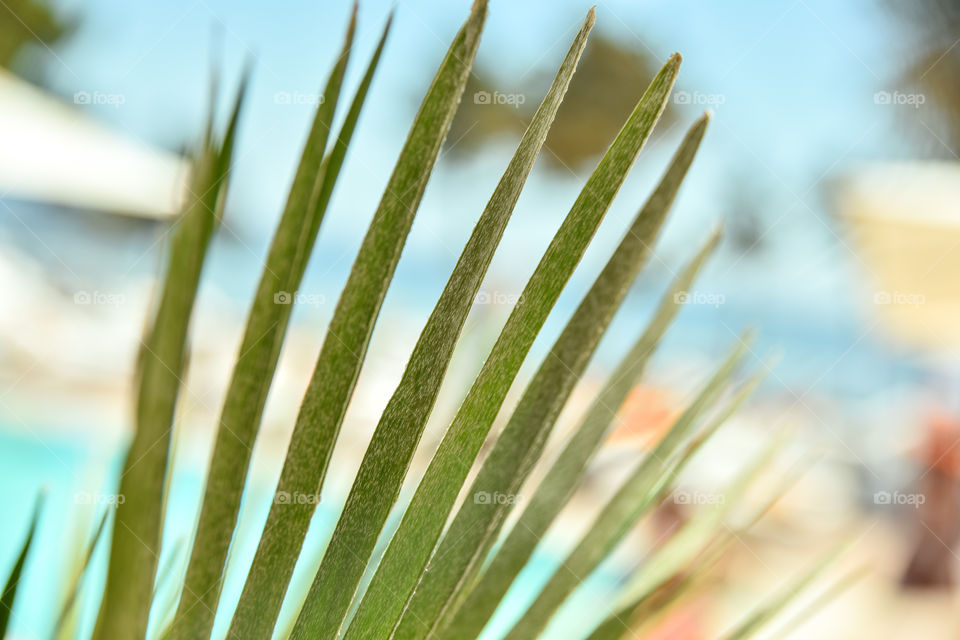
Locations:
{"points": [[797, 76], [797, 80]]}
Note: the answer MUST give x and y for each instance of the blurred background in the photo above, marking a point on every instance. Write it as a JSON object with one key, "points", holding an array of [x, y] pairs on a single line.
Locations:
{"points": [[831, 160]]}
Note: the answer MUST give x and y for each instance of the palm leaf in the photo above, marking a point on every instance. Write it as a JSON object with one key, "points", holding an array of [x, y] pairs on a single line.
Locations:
{"points": [[770, 607], [698, 545], [73, 591], [705, 537], [824, 598], [9, 595], [385, 464], [168, 575], [430, 581], [253, 372], [568, 469], [632, 500], [286, 524], [475, 526], [137, 526], [348, 335], [651, 609], [409, 550]]}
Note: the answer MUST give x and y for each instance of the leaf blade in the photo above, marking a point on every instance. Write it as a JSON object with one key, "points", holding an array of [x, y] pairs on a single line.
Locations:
{"points": [[771, 606], [73, 591], [254, 370], [475, 525], [568, 469], [138, 520], [826, 597], [699, 544], [409, 549], [283, 532], [634, 497], [388, 455], [9, 594]]}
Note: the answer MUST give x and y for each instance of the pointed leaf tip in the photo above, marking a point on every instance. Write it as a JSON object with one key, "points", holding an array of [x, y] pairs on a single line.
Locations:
{"points": [[9, 593], [699, 128], [478, 15], [668, 73], [718, 230], [353, 20], [591, 15], [713, 239], [716, 236], [772, 360]]}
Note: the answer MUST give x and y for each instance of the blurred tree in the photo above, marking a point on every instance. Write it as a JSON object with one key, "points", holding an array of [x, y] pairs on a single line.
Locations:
{"points": [[934, 66], [744, 201], [609, 81], [478, 120], [27, 22]]}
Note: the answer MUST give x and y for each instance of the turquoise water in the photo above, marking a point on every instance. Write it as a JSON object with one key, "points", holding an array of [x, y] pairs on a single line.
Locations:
{"points": [[63, 466], [69, 472]]}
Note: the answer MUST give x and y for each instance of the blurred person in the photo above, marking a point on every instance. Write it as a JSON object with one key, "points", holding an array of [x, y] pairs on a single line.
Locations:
{"points": [[937, 521]]}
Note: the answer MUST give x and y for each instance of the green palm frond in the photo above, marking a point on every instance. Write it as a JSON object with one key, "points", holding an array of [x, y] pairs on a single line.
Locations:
{"points": [[138, 523], [771, 606], [9, 595], [66, 621], [446, 568], [569, 468], [314, 435]]}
